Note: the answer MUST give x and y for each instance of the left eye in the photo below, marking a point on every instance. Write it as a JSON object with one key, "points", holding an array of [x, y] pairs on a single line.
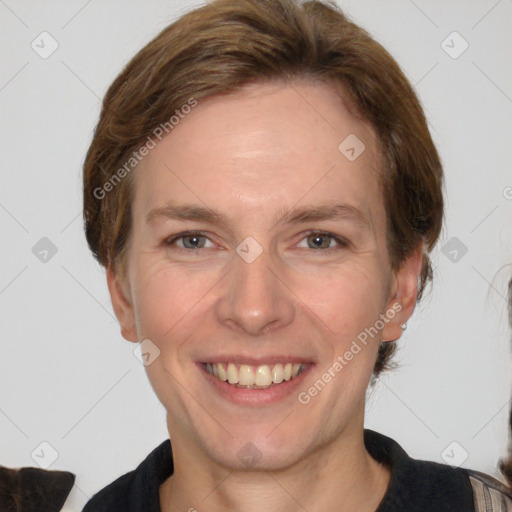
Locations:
{"points": [[320, 240]]}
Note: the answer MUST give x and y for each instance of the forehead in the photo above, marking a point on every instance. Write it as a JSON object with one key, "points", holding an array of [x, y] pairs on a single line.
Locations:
{"points": [[265, 147]]}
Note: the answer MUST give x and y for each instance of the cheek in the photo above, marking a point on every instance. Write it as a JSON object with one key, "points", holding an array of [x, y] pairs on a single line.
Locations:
{"points": [[163, 298], [347, 299], [171, 303]]}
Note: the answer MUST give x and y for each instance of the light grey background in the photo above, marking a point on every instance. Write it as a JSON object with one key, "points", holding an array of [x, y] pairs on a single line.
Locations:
{"points": [[67, 376]]}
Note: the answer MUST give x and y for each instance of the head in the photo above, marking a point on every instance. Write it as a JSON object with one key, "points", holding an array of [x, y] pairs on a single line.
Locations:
{"points": [[293, 147]]}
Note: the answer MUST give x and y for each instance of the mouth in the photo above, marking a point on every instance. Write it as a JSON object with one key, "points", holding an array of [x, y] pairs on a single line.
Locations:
{"points": [[264, 376]]}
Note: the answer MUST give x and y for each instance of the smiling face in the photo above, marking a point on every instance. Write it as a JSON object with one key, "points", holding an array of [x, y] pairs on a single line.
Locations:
{"points": [[259, 248]]}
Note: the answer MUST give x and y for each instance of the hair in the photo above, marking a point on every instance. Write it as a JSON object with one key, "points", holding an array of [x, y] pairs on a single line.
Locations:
{"points": [[224, 45], [31, 488]]}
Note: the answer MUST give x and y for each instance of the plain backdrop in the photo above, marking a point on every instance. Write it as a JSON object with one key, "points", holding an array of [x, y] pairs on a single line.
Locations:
{"points": [[68, 378]]}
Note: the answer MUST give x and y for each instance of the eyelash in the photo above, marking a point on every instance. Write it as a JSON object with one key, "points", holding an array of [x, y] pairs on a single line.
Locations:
{"points": [[342, 243]]}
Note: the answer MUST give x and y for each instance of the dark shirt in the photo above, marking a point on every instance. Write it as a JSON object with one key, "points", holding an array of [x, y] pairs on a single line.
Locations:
{"points": [[415, 485]]}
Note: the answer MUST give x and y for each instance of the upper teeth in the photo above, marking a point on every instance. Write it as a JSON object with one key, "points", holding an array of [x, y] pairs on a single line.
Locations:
{"points": [[247, 375]]}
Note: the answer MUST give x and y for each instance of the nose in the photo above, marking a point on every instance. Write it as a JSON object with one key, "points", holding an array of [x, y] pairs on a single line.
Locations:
{"points": [[255, 297]]}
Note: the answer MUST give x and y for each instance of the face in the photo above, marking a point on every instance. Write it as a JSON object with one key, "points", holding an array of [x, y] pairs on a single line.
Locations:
{"points": [[258, 253]]}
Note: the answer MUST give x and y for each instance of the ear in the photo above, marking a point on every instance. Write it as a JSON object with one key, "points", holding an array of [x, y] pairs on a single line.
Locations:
{"points": [[122, 305], [403, 295]]}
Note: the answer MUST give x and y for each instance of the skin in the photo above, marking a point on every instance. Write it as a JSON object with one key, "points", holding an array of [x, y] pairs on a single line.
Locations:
{"points": [[253, 156]]}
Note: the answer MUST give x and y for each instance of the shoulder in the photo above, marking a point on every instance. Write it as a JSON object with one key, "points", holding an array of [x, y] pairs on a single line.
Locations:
{"points": [[418, 485], [489, 494], [113, 496], [137, 490]]}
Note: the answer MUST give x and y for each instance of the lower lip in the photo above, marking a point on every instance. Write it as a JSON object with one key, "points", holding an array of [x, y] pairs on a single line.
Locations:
{"points": [[255, 397]]}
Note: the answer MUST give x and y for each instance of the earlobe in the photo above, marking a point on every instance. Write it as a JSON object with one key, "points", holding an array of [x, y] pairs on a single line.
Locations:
{"points": [[122, 306], [403, 295]]}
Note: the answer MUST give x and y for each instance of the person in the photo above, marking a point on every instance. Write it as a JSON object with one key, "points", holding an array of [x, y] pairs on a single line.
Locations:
{"points": [[263, 191], [506, 463]]}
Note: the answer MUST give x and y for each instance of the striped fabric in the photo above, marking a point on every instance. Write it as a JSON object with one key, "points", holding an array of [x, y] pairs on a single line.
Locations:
{"points": [[489, 494]]}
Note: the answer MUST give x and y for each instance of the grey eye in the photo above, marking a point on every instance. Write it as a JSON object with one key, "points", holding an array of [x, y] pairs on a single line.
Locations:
{"points": [[196, 241]]}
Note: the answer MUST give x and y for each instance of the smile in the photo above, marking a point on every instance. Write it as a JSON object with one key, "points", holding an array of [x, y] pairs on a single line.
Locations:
{"points": [[254, 377]]}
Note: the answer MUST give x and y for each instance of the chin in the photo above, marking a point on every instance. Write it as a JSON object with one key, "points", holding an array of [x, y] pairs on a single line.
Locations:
{"points": [[258, 448]]}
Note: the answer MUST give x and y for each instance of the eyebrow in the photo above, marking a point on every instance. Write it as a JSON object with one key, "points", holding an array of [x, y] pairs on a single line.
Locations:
{"points": [[330, 211]]}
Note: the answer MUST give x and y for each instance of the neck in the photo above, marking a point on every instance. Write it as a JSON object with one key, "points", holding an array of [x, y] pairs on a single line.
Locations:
{"points": [[341, 476]]}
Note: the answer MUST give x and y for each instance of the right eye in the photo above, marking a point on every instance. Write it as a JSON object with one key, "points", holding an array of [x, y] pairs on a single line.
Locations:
{"points": [[189, 240]]}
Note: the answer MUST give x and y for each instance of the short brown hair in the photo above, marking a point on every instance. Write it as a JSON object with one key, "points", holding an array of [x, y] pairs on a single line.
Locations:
{"points": [[218, 48]]}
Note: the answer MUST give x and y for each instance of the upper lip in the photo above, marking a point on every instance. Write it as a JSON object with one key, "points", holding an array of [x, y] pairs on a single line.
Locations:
{"points": [[256, 361]]}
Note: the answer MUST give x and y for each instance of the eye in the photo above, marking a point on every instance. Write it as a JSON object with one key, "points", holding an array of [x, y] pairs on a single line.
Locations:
{"points": [[189, 240], [322, 240]]}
